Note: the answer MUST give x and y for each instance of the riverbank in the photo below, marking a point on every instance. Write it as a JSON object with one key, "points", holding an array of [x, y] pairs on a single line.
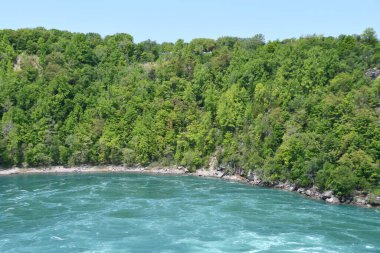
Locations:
{"points": [[110, 168], [359, 199]]}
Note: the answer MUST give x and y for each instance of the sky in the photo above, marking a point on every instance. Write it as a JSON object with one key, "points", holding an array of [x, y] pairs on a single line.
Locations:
{"points": [[169, 20]]}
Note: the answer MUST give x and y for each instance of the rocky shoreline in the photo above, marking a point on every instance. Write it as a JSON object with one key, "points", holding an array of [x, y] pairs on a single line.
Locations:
{"points": [[359, 199]]}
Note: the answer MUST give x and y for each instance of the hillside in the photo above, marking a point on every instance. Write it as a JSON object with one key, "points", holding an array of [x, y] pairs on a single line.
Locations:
{"points": [[301, 110]]}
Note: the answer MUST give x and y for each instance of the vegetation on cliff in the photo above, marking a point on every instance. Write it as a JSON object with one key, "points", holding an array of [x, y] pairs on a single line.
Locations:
{"points": [[303, 110]]}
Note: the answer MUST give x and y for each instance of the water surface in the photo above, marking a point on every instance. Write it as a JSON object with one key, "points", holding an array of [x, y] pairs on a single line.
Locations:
{"points": [[148, 213]]}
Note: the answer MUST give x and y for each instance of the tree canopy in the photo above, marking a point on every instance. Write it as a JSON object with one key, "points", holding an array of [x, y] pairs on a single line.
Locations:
{"points": [[301, 110]]}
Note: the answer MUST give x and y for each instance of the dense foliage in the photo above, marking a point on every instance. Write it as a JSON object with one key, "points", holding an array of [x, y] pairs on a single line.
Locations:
{"points": [[301, 110]]}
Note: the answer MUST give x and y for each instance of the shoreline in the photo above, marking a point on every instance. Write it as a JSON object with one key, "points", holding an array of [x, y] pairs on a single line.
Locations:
{"points": [[174, 170], [362, 200]]}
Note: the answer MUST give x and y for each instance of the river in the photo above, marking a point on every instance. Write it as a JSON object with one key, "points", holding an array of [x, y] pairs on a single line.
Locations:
{"points": [[125, 212]]}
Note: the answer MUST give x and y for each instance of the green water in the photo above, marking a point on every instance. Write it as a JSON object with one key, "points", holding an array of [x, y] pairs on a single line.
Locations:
{"points": [[147, 213]]}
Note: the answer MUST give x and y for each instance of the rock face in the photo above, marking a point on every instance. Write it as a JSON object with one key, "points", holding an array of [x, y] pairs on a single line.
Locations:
{"points": [[373, 73], [213, 164], [23, 60]]}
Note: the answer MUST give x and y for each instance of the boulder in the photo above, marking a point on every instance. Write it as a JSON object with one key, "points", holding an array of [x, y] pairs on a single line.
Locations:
{"points": [[326, 195], [291, 188], [373, 73], [360, 200], [373, 199], [279, 186], [346, 199], [333, 200], [301, 190], [312, 192], [253, 178], [287, 186]]}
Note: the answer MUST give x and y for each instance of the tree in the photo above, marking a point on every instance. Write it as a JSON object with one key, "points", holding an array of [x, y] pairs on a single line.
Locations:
{"points": [[300, 110], [369, 36]]}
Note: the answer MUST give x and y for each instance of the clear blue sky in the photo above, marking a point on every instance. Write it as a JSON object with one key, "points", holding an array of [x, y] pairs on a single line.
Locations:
{"points": [[169, 20]]}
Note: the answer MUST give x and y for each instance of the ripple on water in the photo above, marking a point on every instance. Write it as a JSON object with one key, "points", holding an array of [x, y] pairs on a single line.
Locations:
{"points": [[145, 213]]}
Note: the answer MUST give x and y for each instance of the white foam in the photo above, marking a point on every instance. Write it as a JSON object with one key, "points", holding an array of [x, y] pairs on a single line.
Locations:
{"points": [[57, 238]]}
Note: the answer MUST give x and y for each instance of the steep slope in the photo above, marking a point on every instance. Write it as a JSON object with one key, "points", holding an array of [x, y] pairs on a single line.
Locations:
{"points": [[300, 110]]}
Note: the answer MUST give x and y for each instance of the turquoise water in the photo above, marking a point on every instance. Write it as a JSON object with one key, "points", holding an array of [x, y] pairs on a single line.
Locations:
{"points": [[148, 213]]}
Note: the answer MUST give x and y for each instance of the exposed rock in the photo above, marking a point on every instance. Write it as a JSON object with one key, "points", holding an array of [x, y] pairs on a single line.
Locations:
{"points": [[345, 199], [279, 186], [17, 64], [326, 195], [253, 178], [285, 186], [250, 175], [373, 73], [333, 200], [267, 184], [213, 164], [312, 192], [23, 60], [208, 173], [239, 171], [359, 200], [301, 190], [181, 168], [373, 199], [236, 178], [289, 187], [10, 171]]}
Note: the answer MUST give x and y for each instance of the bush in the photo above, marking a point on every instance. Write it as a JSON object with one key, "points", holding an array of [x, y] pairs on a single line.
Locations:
{"points": [[342, 181]]}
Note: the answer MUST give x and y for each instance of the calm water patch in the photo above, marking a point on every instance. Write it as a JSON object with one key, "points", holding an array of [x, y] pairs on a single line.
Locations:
{"points": [[148, 213]]}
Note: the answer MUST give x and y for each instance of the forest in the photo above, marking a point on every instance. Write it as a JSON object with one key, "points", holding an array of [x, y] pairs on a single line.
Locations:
{"points": [[304, 110]]}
